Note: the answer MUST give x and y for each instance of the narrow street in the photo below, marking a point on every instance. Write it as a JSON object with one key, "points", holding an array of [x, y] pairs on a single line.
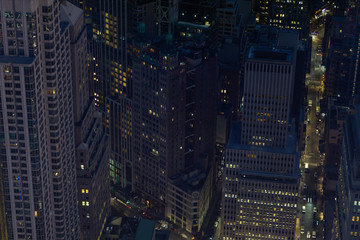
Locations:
{"points": [[310, 203]]}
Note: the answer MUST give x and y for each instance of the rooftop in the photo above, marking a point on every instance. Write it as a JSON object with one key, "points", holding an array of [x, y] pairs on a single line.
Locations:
{"points": [[145, 230], [189, 182], [271, 53], [70, 13], [235, 142]]}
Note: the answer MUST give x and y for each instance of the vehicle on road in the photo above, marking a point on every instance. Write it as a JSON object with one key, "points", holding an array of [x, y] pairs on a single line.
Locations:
{"points": [[308, 235], [303, 209], [302, 229], [314, 234]]}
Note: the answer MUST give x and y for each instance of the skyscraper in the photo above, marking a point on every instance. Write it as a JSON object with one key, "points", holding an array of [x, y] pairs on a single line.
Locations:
{"points": [[159, 115], [286, 14], [261, 176], [36, 127], [91, 142], [167, 15], [348, 189]]}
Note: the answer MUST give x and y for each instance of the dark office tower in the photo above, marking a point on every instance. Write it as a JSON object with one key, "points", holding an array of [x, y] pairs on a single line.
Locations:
{"points": [[92, 152], [342, 73], [3, 228], [229, 77], [291, 15], [228, 17], [263, 7], [167, 15], [200, 109], [351, 86], [37, 121], [121, 134], [110, 77], [198, 11], [158, 116], [232, 15], [142, 17], [348, 189], [112, 87], [337, 63], [261, 176]]}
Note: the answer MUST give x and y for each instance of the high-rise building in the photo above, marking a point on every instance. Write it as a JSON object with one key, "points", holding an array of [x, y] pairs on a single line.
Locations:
{"points": [[112, 24], [292, 15], [92, 151], [120, 131], [348, 189], [167, 15], [337, 65], [342, 80], [142, 13], [3, 228], [262, 8], [261, 177], [198, 11], [267, 100], [37, 121], [158, 115]]}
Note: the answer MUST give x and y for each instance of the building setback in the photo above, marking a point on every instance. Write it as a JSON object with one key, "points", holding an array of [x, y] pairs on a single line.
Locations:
{"points": [[261, 175], [92, 151]]}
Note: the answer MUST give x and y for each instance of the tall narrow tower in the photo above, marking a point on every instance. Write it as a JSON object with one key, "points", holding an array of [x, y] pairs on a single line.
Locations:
{"points": [[36, 121], [261, 161], [159, 116], [91, 142]]}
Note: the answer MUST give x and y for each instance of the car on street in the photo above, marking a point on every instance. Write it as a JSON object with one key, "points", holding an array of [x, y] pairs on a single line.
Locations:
{"points": [[314, 234], [315, 209], [308, 235], [302, 229], [303, 209]]}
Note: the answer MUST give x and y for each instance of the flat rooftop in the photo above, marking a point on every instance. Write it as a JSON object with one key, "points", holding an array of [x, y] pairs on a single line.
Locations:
{"points": [[271, 53], [235, 142]]}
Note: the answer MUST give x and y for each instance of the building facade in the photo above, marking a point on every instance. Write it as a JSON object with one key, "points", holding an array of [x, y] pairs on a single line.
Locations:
{"points": [[38, 157], [348, 189], [261, 173], [188, 199], [91, 142], [159, 116]]}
